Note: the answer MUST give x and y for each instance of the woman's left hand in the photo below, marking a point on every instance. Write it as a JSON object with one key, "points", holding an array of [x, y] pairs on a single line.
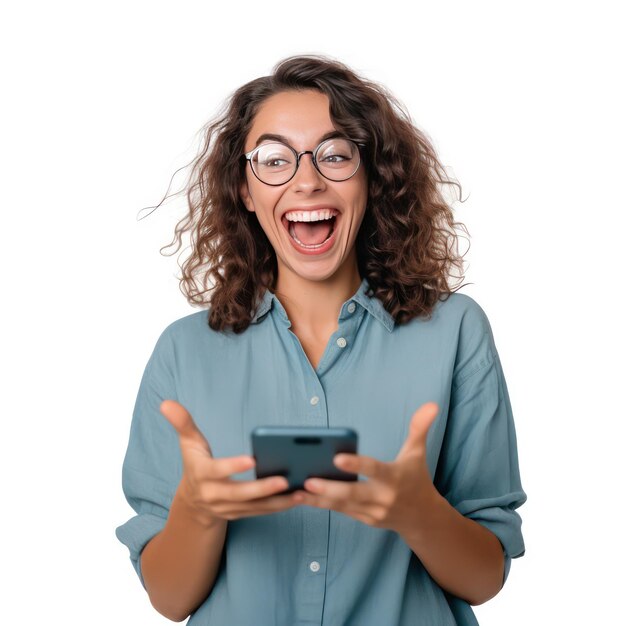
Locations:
{"points": [[395, 494]]}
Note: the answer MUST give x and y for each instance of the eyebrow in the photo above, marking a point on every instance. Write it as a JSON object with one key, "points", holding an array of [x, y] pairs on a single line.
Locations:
{"points": [[265, 136]]}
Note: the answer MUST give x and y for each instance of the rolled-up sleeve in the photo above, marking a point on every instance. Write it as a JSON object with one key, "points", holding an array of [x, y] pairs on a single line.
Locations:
{"points": [[152, 466], [478, 470]]}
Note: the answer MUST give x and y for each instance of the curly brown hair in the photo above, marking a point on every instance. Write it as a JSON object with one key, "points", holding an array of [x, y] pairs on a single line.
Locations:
{"points": [[407, 245]]}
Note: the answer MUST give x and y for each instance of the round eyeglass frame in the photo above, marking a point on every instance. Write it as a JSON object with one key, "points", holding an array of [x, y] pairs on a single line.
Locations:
{"points": [[313, 153]]}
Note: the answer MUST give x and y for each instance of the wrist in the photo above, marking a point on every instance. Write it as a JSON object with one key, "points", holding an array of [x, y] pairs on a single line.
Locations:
{"points": [[184, 505], [428, 511]]}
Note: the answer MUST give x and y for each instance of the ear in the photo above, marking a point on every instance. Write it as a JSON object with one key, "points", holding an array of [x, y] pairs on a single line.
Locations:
{"points": [[246, 198]]}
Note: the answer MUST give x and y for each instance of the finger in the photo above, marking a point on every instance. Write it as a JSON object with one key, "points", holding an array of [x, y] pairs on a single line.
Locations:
{"points": [[188, 433], [242, 491], [219, 469], [358, 512], [305, 498], [337, 490], [356, 494], [271, 504], [418, 428], [361, 464], [324, 501]]}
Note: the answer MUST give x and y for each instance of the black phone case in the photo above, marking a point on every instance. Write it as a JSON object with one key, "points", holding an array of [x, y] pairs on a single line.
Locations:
{"points": [[300, 452]]}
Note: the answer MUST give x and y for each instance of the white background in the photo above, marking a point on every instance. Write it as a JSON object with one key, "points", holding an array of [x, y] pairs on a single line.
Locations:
{"points": [[101, 104]]}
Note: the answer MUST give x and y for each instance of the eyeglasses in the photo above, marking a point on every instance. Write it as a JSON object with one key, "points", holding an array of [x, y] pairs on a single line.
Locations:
{"points": [[277, 163]]}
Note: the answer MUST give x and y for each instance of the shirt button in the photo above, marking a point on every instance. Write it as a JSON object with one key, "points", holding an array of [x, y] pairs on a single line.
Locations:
{"points": [[341, 342], [314, 400], [314, 566], [351, 307]]}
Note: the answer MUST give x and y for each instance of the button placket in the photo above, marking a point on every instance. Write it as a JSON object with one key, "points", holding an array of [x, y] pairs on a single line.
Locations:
{"points": [[349, 321]]}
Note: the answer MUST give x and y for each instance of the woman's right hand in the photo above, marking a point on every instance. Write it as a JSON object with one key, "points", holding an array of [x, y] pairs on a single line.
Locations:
{"points": [[206, 486]]}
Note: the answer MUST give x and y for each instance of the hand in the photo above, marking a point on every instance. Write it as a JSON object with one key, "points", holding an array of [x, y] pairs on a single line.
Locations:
{"points": [[395, 494], [206, 486]]}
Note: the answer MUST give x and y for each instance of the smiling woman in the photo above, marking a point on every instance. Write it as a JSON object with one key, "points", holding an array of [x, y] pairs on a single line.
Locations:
{"points": [[307, 255], [407, 244], [316, 210]]}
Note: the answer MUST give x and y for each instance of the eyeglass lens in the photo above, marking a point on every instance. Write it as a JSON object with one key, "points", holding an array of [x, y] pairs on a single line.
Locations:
{"points": [[275, 163]]}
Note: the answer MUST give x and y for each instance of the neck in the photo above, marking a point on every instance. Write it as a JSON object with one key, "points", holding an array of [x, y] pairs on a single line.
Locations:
{"points": [[313, 307]]}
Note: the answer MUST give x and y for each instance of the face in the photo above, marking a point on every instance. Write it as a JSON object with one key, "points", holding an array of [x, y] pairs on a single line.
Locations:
{"points": [[303, 118]]}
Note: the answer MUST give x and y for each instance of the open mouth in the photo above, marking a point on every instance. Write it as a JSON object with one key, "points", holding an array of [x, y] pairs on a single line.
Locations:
{"points": [[311, 235]]}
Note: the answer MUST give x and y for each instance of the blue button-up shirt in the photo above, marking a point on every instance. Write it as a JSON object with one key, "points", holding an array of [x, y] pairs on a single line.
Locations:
{"points": [[309, 565]]}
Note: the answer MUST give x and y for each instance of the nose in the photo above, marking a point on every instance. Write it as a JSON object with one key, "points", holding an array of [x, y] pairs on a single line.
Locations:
{"points": [[307, 178]]}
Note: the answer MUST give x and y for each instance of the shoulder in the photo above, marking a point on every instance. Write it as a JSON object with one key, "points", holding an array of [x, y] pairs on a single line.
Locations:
{"points": [[461, 307], [194, 324], [457, 330], [458, 315], [192, 333], [187, 331], [466, 325], [452, 321], [474, 337]]}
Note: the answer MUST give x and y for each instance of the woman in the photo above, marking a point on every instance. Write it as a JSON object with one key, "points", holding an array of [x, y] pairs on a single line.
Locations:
{"points": [[316, 210]]}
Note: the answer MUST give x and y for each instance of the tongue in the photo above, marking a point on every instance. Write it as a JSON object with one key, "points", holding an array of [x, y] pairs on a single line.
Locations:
{"points": [[312, 233]]}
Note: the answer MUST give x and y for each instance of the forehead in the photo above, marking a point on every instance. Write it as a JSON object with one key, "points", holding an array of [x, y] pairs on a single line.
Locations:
{"points": [[301, 116]]}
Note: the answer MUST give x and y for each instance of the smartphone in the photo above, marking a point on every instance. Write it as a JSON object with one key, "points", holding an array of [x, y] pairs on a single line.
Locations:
{"points": [[301, 452]]}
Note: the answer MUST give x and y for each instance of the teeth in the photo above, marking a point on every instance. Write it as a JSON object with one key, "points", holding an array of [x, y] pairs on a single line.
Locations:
{"points": [[310, 216]]}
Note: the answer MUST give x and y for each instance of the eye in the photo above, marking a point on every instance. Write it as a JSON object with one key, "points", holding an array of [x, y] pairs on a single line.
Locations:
{"points": [[273, 156], [334, 158], [336, 153], [273, 162]]}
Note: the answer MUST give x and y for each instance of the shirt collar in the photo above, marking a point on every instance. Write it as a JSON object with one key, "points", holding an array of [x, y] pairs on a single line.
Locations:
{"points": [[370, 303]]}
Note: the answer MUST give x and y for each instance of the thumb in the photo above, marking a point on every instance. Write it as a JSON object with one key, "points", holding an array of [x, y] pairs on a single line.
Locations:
{"points": [[188, 433], [418, 428]]}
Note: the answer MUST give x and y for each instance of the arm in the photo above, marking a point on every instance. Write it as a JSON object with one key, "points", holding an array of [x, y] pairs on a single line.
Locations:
{"points": [[470, 528], [182, 496], [462, 524], [180, 564], [463, 557]]}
